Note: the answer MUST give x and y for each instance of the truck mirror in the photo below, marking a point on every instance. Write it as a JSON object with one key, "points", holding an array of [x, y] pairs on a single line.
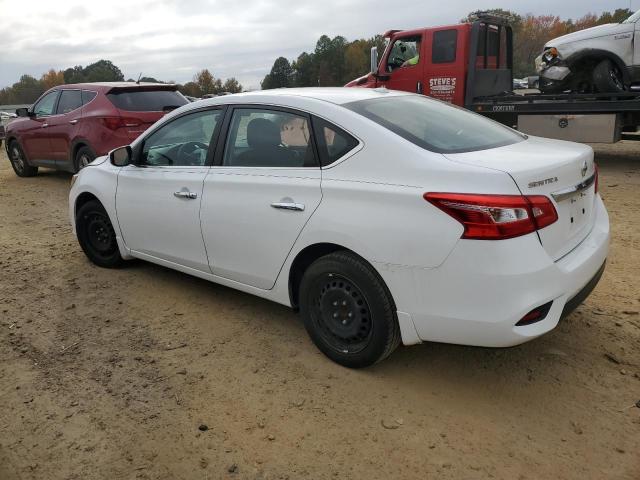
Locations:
{"points": [[374, 60]]}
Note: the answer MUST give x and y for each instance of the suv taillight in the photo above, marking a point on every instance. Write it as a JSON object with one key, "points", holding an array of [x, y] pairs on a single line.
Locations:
{"points": [[496, 217], [113, 123]]}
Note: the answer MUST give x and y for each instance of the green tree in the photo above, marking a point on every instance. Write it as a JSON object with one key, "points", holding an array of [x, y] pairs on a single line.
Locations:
{"points": [[281, 75], [102, 71], [190, 88], [232, 85], [205, 81], [74, 74], [305, 72]]}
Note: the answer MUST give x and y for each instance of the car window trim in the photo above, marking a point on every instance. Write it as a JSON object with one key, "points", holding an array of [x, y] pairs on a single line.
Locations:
{"points": [[137, 154], [261, 106], [60, 97]]}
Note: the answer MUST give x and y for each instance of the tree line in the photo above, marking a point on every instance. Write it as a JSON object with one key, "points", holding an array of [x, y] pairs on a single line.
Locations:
{"points": [[28, 88], [335, 62]]}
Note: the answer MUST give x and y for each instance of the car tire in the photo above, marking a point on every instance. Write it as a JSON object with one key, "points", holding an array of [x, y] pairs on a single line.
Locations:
{"points": [[19, 162], [348, 310], [608, 78], [97, 236], [84, 156]]}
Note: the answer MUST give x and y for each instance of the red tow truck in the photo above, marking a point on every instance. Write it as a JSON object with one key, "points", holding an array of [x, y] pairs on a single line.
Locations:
{"points": [[470, 65]]}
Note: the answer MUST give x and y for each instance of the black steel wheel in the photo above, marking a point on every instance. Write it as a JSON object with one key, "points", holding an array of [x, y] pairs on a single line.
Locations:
{"points": [[97, 236], [348, 310], [19, 161]]}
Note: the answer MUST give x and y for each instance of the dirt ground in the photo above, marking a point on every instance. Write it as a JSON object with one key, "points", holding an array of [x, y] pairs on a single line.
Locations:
{"points": [[110, 374]]}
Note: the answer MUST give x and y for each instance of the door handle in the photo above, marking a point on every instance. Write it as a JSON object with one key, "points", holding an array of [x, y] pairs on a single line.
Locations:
{"points": [[298, 207], [44, 125], [73, 122], [185, 194], [419, 87]]}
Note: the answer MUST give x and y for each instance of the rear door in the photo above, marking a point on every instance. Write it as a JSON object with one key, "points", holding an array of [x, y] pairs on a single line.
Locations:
{"points": [[64, 125], [258, 197], [34, 133], [445, 66], [404, 64], [158, 199]]}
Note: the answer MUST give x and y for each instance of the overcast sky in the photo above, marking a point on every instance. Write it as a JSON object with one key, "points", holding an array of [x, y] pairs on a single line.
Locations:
{"points": [[172, 39]]}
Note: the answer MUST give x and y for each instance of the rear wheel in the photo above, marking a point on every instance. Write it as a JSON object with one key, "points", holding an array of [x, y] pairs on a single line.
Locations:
{"points": [[84, 156], [348, 310], [607, 77], [19, 161], [96, 235]]}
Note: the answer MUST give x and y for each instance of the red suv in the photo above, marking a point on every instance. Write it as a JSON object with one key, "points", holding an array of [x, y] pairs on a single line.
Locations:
{"points": [[70, 125]]}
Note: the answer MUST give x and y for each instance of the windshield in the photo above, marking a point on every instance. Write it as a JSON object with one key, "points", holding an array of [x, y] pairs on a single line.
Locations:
{"points": [[436, 126], [633, 18]]}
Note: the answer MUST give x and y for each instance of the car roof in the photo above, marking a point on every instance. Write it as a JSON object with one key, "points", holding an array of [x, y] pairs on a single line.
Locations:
{"points": [[106, 86], [336, 95]]}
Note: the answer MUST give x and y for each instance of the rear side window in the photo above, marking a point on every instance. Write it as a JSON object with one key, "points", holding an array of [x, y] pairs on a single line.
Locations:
{"points": [[434, 125], [87, 96], [445, 44], [333, 142], [69, 101], [147, 100]]}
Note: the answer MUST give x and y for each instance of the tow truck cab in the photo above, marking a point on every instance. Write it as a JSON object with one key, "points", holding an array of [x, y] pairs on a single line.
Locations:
{"points": [[454, 63]]}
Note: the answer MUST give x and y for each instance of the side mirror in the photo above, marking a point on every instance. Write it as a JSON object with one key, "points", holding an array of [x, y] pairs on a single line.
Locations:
{"points": [[121, 156], [374, 60], [22, 112]]}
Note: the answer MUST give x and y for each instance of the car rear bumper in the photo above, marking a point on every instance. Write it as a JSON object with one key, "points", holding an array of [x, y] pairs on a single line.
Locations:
{"points": [[484, 288]]}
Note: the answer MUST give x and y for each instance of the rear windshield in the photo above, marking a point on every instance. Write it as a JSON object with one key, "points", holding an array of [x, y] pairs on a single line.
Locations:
{"points": [[147, 100], [435, 126]]}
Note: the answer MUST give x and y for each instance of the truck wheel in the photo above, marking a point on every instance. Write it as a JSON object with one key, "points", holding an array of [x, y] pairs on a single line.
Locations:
{"points": [[348, 310], [607, 77], [19, 161], [84, 156]]}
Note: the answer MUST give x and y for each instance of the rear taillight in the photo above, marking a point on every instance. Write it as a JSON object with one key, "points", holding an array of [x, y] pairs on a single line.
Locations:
{"points": [[596, 173], [113, 123], [496, 217]]}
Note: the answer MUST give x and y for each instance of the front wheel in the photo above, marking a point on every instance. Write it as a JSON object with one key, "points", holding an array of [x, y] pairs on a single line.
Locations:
{"points": [[19, 161], [607, 77], [348, 310], [97, 236]]}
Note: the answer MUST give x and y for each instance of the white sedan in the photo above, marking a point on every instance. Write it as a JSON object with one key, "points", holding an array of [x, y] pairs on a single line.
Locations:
{"points": [[384, 217]]}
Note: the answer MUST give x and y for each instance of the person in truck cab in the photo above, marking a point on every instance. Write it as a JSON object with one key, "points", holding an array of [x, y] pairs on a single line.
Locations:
{"points": [[415, 59]]}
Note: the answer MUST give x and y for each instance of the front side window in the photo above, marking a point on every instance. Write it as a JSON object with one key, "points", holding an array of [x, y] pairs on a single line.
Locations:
{"points": [[268, 138], [445, 43], [182, 142], [434, 125], [405, 52], [333, 142], [46, 105], [69, 101]]}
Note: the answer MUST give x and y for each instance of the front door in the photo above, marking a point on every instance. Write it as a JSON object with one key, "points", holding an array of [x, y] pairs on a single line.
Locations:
{"points": [[35, 135], [63, 126], [404, 64], [158, 200], [258, 198]]}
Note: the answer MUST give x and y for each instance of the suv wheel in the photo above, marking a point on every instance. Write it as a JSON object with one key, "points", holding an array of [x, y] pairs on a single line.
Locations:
{"points": [[97, 236], [348, 310], [607, 77], [84, 156], [19, 161]]}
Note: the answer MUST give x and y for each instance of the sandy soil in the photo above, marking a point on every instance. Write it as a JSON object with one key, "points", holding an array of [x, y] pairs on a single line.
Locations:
{"points": [[109, 374]]}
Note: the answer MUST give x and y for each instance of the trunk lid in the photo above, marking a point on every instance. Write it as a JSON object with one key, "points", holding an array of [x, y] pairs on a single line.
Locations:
{"points": [[562, 171]]}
